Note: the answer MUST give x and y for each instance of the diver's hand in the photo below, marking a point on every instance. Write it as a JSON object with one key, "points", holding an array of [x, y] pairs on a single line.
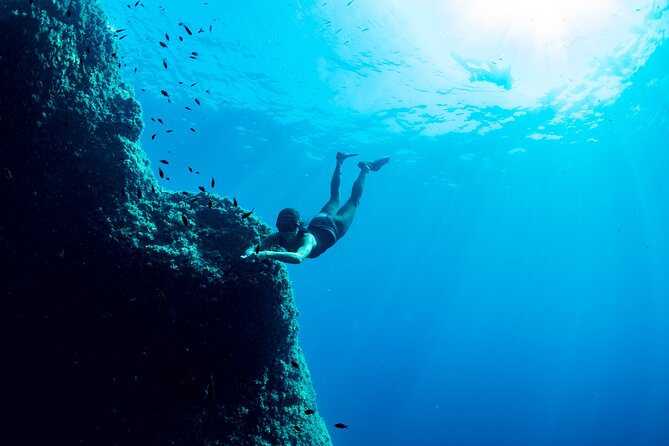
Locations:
{"points": [[255, 256], [250, 257], [250, 253]]}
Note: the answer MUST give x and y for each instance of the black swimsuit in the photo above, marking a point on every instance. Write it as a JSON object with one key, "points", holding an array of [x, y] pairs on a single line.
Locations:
{"points": [[324, 230]]}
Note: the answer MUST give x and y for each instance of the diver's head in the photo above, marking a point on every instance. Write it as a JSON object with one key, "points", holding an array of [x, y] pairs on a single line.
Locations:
{"points": [[288, 221]]}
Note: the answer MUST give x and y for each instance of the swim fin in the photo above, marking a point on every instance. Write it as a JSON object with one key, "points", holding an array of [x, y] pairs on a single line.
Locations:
{"points": [[376, 164]]}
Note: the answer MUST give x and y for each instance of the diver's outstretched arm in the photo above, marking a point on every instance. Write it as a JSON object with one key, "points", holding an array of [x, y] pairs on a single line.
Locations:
{"points": [[287, 257]]}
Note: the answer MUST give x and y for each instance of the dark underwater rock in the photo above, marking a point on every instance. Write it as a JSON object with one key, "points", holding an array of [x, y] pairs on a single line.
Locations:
{"points": [[121, 323]]}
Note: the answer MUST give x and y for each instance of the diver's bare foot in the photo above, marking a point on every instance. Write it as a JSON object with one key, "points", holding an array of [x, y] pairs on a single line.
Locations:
{"points": [[375, 165], [341, 156]]}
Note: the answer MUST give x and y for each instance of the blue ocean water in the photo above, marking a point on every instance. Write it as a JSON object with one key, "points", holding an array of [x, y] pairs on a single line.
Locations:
{"points": [[506, 279]]}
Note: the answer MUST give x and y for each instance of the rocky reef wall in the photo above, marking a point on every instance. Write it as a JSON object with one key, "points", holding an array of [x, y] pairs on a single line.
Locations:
{"points": [[126, 318]]}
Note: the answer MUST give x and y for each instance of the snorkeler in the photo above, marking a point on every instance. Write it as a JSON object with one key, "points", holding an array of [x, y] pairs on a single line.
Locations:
{"points": [[309, 241]]}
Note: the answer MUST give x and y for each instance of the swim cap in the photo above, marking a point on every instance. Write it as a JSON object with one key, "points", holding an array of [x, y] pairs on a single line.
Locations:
{"points": [[287, 220]]}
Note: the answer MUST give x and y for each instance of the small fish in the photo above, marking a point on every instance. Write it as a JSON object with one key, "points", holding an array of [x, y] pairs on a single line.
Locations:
{"points": [[161, 173], [209, 391], [136, 4], [169, 131], [165, 63], [69, 13], [201, 188], [234, 202], [163, 44], [153, 119], [188, 108], [193, 57], [153, 190], [294, 364], [153, 136], [341, 426], [194, 53], [166, 94], [213, 182], [309, 412], [185, 193], [160, 120], [192, 129], [167, 36], [190, 33], [297, 428], [164, 161], [200, 31], [119, 30], [257, 250], [194, 200], [190, 169], [139, 193], [193, 84], [247, 214], [209, 204], [181, 39], [209, 28], [197, 101], [123, 37], [184, 220]]}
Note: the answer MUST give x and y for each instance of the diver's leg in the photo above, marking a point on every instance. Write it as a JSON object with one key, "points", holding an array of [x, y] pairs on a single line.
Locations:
{"points": [[331, 206], [346, 213]]}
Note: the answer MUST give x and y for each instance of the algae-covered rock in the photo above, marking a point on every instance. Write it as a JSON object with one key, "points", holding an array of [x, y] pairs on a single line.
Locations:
{"points": [[127, 318]]}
